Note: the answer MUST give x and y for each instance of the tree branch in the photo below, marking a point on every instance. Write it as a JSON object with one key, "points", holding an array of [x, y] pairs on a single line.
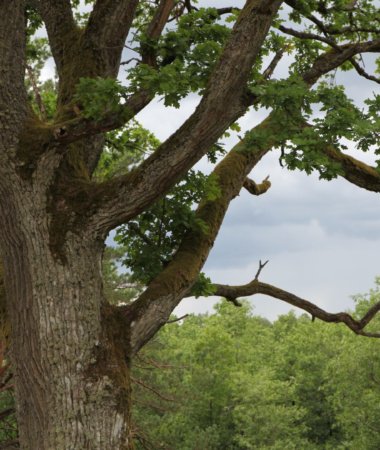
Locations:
{"points": [[257, 287], [224, 101], [353, 170], [107, 30], [60, 24], [312, 36], [178, 319], [37, 93], [363, 73], [78, 128], [257, 189], [201, 130], [153, 308], [268, 72], [336, 57], [155, 29]]}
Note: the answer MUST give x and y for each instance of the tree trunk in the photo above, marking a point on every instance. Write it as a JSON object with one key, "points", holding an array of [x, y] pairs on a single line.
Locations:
{"points": [[69, 351]]}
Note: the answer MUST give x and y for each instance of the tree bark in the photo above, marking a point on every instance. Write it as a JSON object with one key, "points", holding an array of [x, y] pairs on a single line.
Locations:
{"points": [[69, 353]]}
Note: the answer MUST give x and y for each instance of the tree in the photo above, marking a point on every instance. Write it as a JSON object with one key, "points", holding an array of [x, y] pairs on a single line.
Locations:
{"points": [[71, 349]]}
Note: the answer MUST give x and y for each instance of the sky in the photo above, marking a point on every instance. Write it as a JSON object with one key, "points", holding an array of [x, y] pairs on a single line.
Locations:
{"points": [[321, 238]]}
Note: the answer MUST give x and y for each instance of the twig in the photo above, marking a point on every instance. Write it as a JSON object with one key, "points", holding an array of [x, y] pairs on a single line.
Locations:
{"points": [[363, 73], [177, 320], [149, 388], [261, 267], [313, 36], [37, 94]]}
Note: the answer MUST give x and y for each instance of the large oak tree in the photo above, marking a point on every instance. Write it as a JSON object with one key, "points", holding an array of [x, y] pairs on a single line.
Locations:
{"points": [[71, 349]]}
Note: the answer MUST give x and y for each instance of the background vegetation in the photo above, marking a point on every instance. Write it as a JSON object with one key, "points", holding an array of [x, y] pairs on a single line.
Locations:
{"points": [[233, 380]]}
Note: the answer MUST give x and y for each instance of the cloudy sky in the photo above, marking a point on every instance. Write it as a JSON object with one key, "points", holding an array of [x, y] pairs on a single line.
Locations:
{"points": [[321, 238]]}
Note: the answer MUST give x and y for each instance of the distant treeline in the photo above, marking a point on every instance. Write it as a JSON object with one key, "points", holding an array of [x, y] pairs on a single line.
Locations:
{"points": [[235, 381]]}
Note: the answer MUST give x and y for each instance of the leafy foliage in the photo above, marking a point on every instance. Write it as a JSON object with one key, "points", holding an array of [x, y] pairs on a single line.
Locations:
{"points": [[153, 237], [232, 380]]}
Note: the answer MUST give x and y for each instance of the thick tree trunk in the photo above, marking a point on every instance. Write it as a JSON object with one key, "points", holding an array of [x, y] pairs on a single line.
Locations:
{"points": [[69, 353]]}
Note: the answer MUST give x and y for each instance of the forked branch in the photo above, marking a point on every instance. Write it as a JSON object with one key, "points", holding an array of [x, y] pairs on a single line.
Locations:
{"points": [[232, 293]]}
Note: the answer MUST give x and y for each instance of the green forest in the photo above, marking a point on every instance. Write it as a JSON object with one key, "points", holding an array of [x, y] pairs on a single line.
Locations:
{"points": [[233, 380]]}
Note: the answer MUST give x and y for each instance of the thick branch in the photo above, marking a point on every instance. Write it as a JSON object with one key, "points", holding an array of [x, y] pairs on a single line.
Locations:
{"points": [[355, 171], [336, 57], [223, 102], [12, 68], [59, 21], [107, 29], [153, 308], [155, 29], [199, 132], [257, 189], [257, 287]]}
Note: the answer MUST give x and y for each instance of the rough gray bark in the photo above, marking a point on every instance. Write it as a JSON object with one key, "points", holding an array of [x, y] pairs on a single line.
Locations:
{"points": [[69, 357]]}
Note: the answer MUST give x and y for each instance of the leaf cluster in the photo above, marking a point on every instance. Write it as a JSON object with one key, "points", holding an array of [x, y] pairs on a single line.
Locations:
{"points": [[153, 237], [186, 55]]}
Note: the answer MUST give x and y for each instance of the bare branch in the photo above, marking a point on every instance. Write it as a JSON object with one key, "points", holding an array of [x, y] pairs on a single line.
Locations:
{"points": [[155, 29], [268, 72], [257, 287], [312, 36], [160, 19], [261, 267], [363, 73], [178, 319], [149, 388], [227, 10]]}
